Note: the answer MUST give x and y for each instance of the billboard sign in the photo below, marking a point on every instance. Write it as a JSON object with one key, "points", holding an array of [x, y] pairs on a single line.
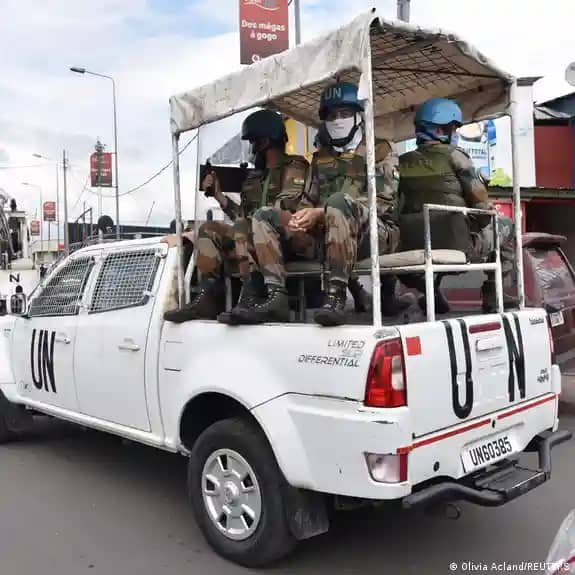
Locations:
{"points": [[49, 211], [505, 209], [101, 170], [35, 228], [264, 29]]}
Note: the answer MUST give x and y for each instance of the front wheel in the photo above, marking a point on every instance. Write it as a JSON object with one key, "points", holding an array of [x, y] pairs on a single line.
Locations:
{"points": [[13, 420], [5, 433], [237, 494]]}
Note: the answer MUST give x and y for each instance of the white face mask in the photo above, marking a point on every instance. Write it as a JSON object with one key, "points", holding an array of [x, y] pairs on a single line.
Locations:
{"points": [[340, 128]]}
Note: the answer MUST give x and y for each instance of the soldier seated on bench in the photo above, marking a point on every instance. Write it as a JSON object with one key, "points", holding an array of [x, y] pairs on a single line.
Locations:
{"points": [[438, 172], [278, 181], [337, 216]]}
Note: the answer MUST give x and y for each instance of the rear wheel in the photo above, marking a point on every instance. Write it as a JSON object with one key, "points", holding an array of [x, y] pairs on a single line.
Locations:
{"points": [[14, 420], [237, 493]]}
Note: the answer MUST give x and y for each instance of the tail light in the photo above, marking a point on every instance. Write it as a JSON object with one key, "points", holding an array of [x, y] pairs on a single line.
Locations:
{"points": [[387, 468], [386, 385], [551, 340]]}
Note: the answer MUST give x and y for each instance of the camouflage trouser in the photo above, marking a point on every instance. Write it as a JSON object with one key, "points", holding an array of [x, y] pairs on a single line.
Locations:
{"points": [[220, 244], [483, 246], [344, 235], [275, 243], [347, 235]]}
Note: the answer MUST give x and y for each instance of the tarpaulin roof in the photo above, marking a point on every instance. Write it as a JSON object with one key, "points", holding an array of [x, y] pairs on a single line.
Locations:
{"points": [[409, 66]]}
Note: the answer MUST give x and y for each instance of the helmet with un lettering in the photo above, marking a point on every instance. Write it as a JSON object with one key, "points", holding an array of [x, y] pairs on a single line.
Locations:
{"points": [[439, 112], [264, 124], [342, 94]]}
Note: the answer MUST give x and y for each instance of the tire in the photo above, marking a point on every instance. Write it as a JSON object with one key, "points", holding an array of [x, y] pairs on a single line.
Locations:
{"points": [[270, 538], [13, 420], [5, 434]]}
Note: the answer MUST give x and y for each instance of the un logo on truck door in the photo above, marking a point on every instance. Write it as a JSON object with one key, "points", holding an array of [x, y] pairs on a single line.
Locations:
{"points": [[42, 359]]}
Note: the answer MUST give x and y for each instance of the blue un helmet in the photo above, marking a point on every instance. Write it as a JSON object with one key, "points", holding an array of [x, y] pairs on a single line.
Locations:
{"points": [[342, 94], [437, 112]]}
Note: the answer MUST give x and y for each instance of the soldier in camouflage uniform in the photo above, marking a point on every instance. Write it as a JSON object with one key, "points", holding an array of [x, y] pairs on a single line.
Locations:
{"points": [[335, 214], [278, 181], [440, 173]]}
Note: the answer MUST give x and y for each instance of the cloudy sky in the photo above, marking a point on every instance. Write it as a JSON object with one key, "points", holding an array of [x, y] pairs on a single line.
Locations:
{"points": [[155, 48]]}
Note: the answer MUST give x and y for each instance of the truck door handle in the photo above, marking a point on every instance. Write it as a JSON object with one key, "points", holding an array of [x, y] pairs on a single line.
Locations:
{"points": [[128, 345], [490, 343], [62, 338]]}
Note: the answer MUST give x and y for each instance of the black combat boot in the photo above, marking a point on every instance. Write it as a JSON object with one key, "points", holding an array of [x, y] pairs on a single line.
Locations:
{"points": [[207, 303], [273, 308], [489, 298], [332, 313], [391, 305], [441, 304], [361, 297], [253, 292]]}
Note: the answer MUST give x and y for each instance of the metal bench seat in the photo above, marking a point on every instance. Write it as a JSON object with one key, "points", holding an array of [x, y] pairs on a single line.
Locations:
{"points": [[386, 262]]}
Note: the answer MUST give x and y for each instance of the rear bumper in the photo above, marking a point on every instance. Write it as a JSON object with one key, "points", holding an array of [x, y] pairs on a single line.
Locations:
{"points": [[498, 485]]}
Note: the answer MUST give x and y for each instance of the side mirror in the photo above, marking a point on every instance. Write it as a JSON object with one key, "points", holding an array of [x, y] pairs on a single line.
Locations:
{"points": [[18, 304]]}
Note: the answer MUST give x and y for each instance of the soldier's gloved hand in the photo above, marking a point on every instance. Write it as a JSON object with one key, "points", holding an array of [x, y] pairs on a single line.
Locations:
{"points": [[211, 182], [306, 219]]}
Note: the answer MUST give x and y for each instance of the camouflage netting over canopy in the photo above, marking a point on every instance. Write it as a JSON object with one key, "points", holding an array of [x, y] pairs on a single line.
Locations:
{"points": [[409, 66]]}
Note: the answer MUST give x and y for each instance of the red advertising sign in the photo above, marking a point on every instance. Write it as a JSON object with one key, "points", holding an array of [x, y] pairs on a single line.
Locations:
{"points": [[101, 170], [49, 211], [35, 228], [264, 29], [506, 209]]}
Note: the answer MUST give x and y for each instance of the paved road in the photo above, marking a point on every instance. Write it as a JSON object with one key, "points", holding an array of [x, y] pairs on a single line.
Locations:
{"points": [[74, 502]]}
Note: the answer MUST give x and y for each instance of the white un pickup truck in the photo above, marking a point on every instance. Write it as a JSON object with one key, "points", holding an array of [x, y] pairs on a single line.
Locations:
{"points": [[279, 419], [282, 421]]}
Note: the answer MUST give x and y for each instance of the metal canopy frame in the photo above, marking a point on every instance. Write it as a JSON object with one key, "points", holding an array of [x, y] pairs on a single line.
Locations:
{"points": [[392, 63]]}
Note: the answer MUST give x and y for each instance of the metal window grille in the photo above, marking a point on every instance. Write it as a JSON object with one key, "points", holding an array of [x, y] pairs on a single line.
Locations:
{"points": [[63, 291], [125, 280]]}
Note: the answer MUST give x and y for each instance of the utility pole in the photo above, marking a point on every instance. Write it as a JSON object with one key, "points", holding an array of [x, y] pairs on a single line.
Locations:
{"points": [[403, 10], [99, 147], [66, 235], [57, 208], [296, 7]]}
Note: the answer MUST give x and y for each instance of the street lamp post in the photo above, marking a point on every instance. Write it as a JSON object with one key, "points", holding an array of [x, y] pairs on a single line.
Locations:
{"points": [[41, 215], [403, 11], [79, 70], [297, 14]]}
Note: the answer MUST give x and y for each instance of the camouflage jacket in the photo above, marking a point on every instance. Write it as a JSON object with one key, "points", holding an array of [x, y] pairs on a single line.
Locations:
{"points": [[332, 172], [281, 187], [440, 174]]}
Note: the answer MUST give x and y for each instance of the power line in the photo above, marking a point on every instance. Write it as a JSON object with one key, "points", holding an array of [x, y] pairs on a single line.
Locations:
{"points": [[22, 167], [84, 187], [81, 194], [160, 171], [151, 178]]}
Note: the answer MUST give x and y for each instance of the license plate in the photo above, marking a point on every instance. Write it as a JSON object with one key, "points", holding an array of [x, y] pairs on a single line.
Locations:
{"points": [[487, 451], [556, 319]]}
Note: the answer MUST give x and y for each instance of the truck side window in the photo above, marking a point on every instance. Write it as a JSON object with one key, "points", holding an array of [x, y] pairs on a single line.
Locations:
{"points": [[125, 280], [63, 291]]}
